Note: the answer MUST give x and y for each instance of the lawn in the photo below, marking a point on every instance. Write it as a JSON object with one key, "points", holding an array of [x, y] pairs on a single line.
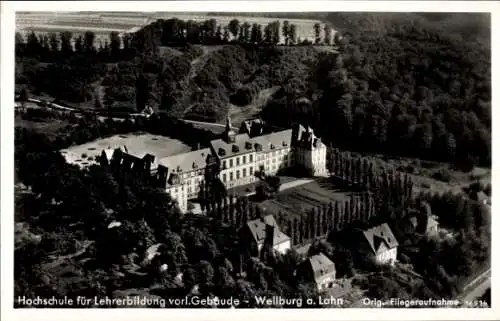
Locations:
{"points": [[295, 201], [48, 127]]}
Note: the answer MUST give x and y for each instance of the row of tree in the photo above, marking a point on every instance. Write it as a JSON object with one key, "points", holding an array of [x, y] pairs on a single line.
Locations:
{"points": [[171, 32]]}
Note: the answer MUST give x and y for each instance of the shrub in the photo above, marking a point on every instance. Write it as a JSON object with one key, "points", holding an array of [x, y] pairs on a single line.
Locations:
{"points": [[442, 175]]}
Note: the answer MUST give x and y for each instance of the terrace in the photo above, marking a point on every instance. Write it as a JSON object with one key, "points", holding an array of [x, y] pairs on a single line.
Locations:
{"points": [[136, 144], [295, 201]]}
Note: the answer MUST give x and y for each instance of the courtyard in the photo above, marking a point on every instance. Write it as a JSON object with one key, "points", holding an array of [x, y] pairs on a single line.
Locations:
{"points": [[136, 144]]}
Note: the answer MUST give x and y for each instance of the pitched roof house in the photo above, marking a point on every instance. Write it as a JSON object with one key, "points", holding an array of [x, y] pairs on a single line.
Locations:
{"points": [[380, 243], [319, 269], [257, 232]]}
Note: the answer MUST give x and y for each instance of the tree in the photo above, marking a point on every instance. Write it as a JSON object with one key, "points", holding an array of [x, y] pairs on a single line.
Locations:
{"points": [[23, 97], [142, 92], [256, 34], [66, 47], [328, 34], [89, 39], [317, 33], [286, 31], [292, 34], [234, 27]]}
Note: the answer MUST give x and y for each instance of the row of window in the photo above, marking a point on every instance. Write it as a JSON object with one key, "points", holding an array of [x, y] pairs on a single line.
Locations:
{"points": [[243, 172], [243, 161], [250, 158]]}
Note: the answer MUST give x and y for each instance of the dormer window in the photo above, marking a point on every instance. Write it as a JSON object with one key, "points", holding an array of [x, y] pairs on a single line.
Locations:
{"points": [[284, 143], [221, 152], [258, 147], [235, 149], [248, 145], [271, 146]]}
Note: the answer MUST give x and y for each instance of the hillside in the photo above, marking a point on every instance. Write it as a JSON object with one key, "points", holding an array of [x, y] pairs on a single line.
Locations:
{"points": [[409, 84]]}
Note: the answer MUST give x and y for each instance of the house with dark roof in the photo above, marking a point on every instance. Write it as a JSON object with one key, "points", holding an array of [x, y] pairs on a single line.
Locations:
{"points": [[424, 224], [318, 269], [257, 232], [481, 197], [380, 244]]}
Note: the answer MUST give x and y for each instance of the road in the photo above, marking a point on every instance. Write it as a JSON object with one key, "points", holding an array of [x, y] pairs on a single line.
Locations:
{"points": [[194, 122], [476, 287], [473, 290]]}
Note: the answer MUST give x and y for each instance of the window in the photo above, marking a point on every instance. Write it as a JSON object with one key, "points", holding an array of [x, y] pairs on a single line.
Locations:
{"points": [[237, 161], [244, 159], [244, 172], [224, 178], [231, 163], [223, 164], [250, 158], [237, 174], [189, 190], [231, 176], [251, 170]]}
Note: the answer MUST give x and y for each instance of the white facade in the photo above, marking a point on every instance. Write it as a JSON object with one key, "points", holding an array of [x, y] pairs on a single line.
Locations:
{"points": [[326, 283], [386, 256], [282, 247], [238, 170], [179, 194]]}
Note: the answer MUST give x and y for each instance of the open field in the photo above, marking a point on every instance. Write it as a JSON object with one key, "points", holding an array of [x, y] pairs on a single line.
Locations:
{"points": [[47, 127], [102, 23], [436, 177], [295, 201], [136, 144]]}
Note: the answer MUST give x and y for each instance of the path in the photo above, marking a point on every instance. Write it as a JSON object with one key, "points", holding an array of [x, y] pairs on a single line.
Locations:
{"points": [[476, 287]]}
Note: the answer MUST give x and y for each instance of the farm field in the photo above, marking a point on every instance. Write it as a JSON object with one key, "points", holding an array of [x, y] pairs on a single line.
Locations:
{"points": [[105, 22], [295, 201]]}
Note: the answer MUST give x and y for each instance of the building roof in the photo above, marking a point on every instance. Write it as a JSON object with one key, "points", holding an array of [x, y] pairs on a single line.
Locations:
{"points": [[194, 160], [258, 229], [305, 138], [431, 221], [378, 235], [321, 266], [241, 145], [480, 196], [273, 141]]}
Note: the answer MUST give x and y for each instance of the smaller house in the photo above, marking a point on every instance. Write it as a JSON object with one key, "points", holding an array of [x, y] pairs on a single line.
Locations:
{"points": [[256, 232], [318, 269], [481, 197], [424, 224], [380, 244]]}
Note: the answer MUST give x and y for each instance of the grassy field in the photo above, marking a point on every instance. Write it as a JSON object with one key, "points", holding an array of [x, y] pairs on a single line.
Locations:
{"points": [[436, 177], [50, 127], [102, 23], [295, 201]]}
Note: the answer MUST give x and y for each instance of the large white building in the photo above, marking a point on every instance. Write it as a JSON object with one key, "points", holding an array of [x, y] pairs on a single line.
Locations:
{"points": [[240, 157]]}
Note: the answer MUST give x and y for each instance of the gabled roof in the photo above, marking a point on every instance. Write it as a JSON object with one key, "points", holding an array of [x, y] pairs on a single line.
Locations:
{"points": [[321, 267], [480, 196], [258, 230], [274, 141], [229, 149], [378, 235], [305, 138], [194, 160]]}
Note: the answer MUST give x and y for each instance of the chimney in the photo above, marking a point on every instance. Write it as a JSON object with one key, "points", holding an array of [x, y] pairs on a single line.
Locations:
{"points": [[269, 238]]}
